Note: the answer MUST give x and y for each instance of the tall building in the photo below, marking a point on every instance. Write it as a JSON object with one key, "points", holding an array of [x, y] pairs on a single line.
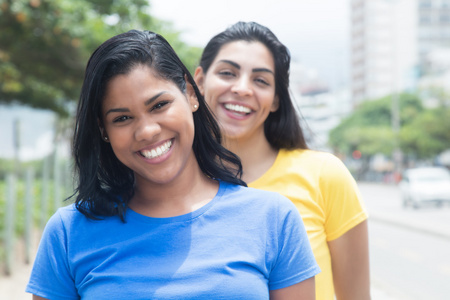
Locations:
{"points": [[433, 33], [396, 41], [383, 47]]}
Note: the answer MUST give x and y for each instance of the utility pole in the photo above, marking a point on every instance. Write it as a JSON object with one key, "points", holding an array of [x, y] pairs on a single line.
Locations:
{"points": [[397, 154]]}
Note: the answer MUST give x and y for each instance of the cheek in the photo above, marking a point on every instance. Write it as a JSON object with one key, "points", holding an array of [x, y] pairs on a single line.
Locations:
{"points": [[269, 99], [180, 120], [212, 89], [190, 127], [119, 139]]}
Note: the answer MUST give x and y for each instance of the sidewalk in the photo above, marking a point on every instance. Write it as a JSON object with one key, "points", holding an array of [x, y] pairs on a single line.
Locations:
{"points": [[13, 287]]}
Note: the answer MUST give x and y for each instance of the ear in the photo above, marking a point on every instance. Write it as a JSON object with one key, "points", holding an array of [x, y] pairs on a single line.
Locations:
{"points": [[199, 78], [191, 96], [275, 104], [102, 131]]}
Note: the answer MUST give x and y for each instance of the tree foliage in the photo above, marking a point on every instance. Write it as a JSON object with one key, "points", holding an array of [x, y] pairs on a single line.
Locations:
{"points": [[428, 134], [423, 132], [45, 44]]}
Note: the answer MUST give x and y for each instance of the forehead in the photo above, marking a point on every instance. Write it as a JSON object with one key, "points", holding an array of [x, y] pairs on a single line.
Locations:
{"points": [[140, 83], [243, 52], [139, 77]]}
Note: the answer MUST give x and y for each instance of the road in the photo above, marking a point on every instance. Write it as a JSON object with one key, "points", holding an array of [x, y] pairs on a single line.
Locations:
{"points": [[409, 249]]}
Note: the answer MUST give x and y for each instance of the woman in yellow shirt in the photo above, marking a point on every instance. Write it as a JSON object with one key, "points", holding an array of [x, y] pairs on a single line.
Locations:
{"points": [[244, 76]]}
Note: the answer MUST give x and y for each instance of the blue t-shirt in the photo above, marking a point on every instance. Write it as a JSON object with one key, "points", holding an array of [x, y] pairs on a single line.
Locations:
{"points": [[240, 245]]}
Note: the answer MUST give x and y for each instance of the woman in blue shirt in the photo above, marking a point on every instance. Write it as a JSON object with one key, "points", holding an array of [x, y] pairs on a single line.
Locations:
{"points": [[160, 210]]}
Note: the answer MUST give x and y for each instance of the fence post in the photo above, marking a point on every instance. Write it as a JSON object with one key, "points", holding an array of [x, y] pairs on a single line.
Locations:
{"points": [[68, 178], [28, 214], [9, 222], [56, 182], [44, 199]]}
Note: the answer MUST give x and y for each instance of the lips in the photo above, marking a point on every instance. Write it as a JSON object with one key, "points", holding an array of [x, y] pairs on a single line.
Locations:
{"points": [[158, 151], [236, 108]]}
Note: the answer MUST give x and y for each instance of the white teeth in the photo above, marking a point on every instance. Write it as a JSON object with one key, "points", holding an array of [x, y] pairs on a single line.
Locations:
{"points": [[238, 108], [158, 151]]}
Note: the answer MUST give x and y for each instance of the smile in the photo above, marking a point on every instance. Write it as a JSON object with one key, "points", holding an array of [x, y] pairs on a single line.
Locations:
{"points": [[158, 151], [237, 108]]}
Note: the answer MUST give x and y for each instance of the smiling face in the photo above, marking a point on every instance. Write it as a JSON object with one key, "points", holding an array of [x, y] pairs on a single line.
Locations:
{"points": [[239, 87], [150, 126]]}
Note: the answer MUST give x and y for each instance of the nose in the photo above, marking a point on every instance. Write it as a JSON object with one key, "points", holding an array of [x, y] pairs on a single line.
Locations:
{"points": [[146, 130], [242, 86]]}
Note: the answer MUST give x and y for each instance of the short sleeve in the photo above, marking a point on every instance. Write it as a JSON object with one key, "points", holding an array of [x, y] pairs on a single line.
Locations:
{"points": [[295, 261], [343, 203], [50, 277]]}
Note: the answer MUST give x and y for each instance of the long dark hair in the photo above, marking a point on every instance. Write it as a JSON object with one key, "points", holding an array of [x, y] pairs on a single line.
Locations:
{"points": [[282, 127], [105, 184]]}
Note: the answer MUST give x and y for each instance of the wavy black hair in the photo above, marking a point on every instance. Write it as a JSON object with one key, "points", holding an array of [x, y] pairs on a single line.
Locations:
{"points": [[282, 127], [105, 185]]}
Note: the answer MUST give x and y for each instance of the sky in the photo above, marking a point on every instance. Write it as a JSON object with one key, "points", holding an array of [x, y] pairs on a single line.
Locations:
{"points": [[315, 31]]}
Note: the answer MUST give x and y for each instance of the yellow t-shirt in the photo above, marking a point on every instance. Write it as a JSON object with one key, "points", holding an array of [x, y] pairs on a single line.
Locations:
{"points": [[327, 197]]}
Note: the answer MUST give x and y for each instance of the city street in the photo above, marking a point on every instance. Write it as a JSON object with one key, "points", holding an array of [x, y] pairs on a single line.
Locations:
{"points": [[409, 249]]}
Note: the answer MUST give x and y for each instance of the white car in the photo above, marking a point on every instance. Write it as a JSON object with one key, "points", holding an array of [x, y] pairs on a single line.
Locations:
{"points": [[425, 185]]}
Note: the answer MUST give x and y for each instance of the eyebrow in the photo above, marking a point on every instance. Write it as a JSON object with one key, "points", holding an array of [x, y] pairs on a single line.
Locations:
{"points": [[237, 66], [230, 62], [262, 70], [146, 103], [149, 101]]}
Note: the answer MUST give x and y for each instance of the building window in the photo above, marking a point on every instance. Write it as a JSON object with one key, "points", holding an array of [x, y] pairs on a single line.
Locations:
{"points": [[444, 18], [425, 4], [425, 19]]}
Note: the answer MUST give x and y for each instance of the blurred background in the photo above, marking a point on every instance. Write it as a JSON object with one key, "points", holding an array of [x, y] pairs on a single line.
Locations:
{"points": [[371, 79]]}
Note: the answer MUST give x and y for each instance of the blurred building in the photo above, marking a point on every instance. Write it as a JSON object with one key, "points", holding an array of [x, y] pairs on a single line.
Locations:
{"points": [[391, 43], [383, 47], [433, 34], [320, 108], [434, 84]]}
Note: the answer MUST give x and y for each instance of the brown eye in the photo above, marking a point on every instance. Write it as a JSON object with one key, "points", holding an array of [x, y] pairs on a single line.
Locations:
{"points": [[262, 81], [120, 119], [160, 105], [226, 73]]}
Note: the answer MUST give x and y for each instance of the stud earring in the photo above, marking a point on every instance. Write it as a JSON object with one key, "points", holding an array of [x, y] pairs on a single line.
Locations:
{"points": [[105, 138], [195, 106]]}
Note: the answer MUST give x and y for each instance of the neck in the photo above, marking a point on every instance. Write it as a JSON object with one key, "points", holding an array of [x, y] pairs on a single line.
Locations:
{"points": [[256, 155], [188, 192]]}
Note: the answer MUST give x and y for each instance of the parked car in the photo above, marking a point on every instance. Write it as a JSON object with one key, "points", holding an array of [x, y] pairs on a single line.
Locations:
{"points": [[425, 185]]}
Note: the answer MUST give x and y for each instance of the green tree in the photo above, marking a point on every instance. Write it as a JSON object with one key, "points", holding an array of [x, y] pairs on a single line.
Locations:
{"points": [[428, 134], [369, 128], [45, 44]]}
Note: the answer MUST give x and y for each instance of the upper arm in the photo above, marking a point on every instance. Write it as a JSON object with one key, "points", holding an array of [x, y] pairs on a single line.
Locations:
{"points": [[304, 290], [51, 274], [342, 202], [350, 263], [38, 298]]}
